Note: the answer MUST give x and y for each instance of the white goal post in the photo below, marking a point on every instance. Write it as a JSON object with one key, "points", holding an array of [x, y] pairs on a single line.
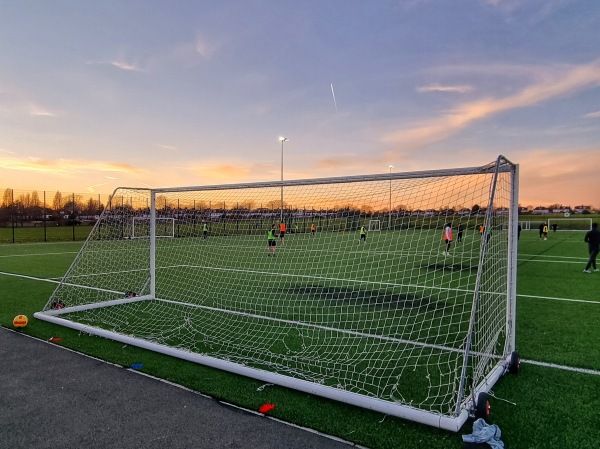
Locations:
{"points": [[570, 224], [404, 326], [374, 225]]}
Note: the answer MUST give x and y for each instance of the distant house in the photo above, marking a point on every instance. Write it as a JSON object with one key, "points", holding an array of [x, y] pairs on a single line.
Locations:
{"points": [[540, 211], [582, 209]]}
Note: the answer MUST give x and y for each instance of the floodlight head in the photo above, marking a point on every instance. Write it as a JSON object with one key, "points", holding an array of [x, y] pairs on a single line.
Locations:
{"points": [[391, 166], [283, 139]]}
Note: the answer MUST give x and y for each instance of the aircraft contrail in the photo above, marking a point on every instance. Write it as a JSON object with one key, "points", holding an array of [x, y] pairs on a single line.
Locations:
{"points": [[333, 95]]}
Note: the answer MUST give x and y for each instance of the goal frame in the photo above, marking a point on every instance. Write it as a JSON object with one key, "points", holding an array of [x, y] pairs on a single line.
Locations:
{"points": [[466, 405], [376, 223]]}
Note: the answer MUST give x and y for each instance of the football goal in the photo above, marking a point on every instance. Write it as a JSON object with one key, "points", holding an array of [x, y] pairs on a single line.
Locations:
{"points": [[374, 225], [570, 224], [398, 326]]}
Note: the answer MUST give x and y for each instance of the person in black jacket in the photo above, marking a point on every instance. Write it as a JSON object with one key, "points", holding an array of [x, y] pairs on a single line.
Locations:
{"points": [[592, 238]]}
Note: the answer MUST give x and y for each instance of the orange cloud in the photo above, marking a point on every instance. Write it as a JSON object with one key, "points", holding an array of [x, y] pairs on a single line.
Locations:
{"points": [[62, 166], [564, 83], [569, 178]]}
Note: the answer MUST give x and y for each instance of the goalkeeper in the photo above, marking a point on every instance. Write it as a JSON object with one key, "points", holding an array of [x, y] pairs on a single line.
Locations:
{"points": [[363, 235]]}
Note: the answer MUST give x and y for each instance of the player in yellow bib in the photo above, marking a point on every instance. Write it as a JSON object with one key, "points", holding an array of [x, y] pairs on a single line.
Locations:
{"points": [[271, 241]]}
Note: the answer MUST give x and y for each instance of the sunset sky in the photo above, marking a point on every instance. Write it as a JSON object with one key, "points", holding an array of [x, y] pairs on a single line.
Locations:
{"points": [[96, 95]]}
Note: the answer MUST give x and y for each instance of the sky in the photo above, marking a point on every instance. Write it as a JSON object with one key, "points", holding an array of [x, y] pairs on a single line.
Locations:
{"points": [[96, 95]]}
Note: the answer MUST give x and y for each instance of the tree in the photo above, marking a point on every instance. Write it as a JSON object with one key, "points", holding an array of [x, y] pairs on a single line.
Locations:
{"points": [[92, 207], [35, 199], [7, 198], [57, 201]]}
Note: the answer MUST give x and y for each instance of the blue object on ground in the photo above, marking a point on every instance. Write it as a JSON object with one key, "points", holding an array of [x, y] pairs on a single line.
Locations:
{"points": [[485, 433]]}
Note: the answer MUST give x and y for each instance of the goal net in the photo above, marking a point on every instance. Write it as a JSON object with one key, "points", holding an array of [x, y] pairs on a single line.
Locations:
{"points": [[397, 326], [570, 224], [163, 227]]}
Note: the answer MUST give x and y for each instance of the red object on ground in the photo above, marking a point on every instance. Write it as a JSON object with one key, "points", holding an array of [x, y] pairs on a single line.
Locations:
{"points": [[55, 339], [266, 408]]}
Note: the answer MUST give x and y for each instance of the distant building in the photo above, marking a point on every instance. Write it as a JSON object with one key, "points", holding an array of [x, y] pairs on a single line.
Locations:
{"points": [[540, 211], [582, 209]]}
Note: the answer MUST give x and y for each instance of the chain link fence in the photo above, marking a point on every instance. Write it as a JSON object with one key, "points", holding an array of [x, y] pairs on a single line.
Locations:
{"points": [[44, 216]]}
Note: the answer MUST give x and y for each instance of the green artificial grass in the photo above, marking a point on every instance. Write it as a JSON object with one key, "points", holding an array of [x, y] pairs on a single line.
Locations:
{"points": [[554, 408]]}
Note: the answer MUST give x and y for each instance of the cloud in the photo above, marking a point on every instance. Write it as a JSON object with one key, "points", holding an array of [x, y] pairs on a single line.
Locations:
{"points": [[592, 115], [120, 64], [564, 177], [561, 84], [438, 88], [217, 173], [38, 111], [204, 48], [169, 147], [129, 67], [63, 167]]}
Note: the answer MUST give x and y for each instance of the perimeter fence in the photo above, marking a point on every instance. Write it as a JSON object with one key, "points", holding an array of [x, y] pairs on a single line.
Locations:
{"points": [[43, 216]]}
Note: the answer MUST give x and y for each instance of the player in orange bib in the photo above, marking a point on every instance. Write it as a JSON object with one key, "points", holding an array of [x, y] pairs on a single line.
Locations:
{"points": [[447, 238], [281, 231]]}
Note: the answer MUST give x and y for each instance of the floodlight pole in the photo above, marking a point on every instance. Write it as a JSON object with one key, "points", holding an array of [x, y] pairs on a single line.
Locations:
{"points": [[282, 139], [390, 217]]}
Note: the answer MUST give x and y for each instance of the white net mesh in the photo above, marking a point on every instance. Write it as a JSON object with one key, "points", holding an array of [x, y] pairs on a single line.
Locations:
{"points": [[388, 319]]}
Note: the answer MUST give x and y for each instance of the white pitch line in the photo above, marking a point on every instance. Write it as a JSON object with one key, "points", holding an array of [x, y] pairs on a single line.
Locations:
{"points": [[318, 278], [590, 301], [29, 277], [562, 367], [39, 254], [578, 262], [531, 362], [548, 255]]}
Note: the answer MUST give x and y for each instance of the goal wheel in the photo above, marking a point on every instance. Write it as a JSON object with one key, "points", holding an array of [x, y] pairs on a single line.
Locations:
{"points": [[515, 363], [483, 407]]}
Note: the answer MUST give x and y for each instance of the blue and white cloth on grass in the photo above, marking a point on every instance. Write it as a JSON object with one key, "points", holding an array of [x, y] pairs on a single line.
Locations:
{"points": [[485, 433]]}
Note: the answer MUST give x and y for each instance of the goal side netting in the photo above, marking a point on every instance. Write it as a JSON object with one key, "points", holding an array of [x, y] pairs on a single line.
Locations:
{"points": [[400, 324]]}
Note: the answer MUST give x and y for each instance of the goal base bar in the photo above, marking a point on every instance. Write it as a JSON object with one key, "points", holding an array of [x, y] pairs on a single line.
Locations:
{"points": [[451, 423]]}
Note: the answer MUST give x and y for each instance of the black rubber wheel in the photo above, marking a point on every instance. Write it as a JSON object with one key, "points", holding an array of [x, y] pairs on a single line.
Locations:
{"points": [[515, 363], [483, 407]]}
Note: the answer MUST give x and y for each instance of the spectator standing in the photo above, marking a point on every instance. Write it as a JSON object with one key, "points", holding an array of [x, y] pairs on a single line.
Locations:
{"points": [[592, 238]]}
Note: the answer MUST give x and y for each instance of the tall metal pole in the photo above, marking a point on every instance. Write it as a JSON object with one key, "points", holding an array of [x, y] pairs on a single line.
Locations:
{"points": [[282, 139], [390, 217]]}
